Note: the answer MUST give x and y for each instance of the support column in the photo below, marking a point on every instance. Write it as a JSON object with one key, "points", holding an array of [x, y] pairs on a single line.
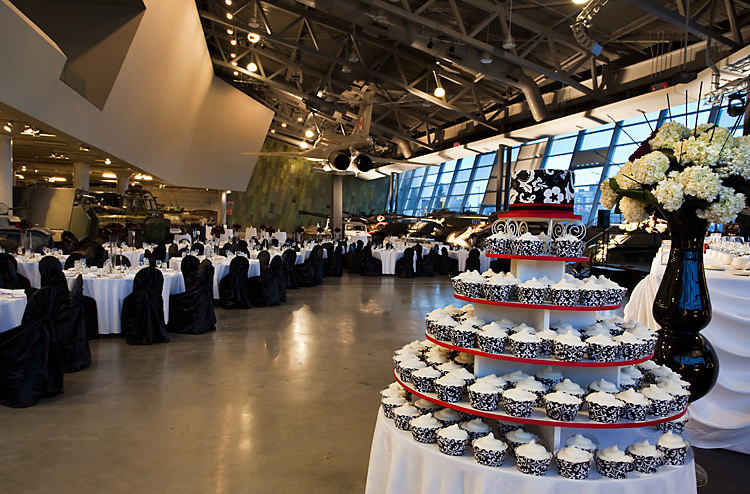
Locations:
{"points": [[337, 203], [81, 175], [223, 208], [123, 180], [7, 177]]}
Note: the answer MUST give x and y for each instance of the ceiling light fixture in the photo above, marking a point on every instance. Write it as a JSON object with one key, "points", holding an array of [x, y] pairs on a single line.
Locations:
{"points": [[303, 145], [439, 91], [299, 119], [253, 23], [19, 176], [253, 38], [107, 161], [273, 131], [230, 32], [252, 67], [229, 16], [233, 42], [345, 69], [486, 57], [109, 175], [233, 55], [56, 179], [309, 134], [580, 2], [380, 17], [228, 2], [509, 43], [235, 73], [283, 124], [234, 62], [8, 127]]}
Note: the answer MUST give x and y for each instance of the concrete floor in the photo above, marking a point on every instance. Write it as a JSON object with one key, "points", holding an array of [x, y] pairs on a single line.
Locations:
{"points": [[280, 399]]}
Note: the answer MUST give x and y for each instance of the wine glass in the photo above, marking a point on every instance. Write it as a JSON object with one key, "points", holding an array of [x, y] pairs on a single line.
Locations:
{"points": [[158, 264]]}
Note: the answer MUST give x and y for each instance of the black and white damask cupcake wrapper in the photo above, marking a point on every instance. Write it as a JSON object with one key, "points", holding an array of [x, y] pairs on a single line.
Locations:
{"points": [[679, 402], [473, 290], [568, 353], [565, 412], [498, 245], [545, 346], [633, 411], [531, 296], [474, 435], [519, 409], [491, 344], [464, 339], [603, 353], [448, 394], [402, 422], [675, 426], [423, 384], [566, 297], [524, 349], [486, 402], [452, 447], [404, 373], [488, 457], [567, 248], [632, 351], [496, 293], [458, 285], [529, 247], [549, 382], [614, 296], [425, 435], [607, 414], [673, 456], [646, 464], [441, 332], [593, 298], [388, 410], [661, 408], [573, 470], [532, 467], [613, 469]]}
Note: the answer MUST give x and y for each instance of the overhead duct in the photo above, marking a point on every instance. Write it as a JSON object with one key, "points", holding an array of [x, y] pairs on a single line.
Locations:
{"points": [[457, 54], [404, 146]]}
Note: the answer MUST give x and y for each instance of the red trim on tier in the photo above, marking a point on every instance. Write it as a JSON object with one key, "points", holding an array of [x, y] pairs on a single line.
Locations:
{"points": [[538, 361], [519, 305], [579, 423], [545, 215], [538, 258]]}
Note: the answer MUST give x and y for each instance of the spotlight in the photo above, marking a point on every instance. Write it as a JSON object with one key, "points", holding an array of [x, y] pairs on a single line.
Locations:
{"points": [[235, 73], [253, 38], [580, 2], [439, 92], [309, 134], [486, 58], [229, 16], [509, 43], [273, 131], [233, 42], [234, 62], [299, 119], [230, 32], [253, 23], [107, 161], [735, 105], [228, 2], [345, 69], [8, 127], [233, 55], [252, 67], [283, 124], [303, 145], [353, 58]]}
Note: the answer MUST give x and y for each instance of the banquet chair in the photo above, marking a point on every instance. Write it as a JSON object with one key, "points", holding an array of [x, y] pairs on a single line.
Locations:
{"points": [[335, 265], [275, 242], [183, 250], [233, 292], [174, 250], [143, 309], [228, 248], [189, 270], [192, 312], [448, 265], [405, 265], [356, 257], [50, 273], [371, 266], [72, 337], [30, 363], [199, 247], [289, 260], [264, 290], [500, 265], [306, 273], [121, 260], [425, 263], [472, 262], [281, 278], [317, 253], [242, 244], [160, 253], [243, 250], [10, 277], [264, 258], [70, 262]]}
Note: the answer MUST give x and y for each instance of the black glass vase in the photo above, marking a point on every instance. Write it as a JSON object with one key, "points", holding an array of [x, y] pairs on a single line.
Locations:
{"points": [[682, 306]]}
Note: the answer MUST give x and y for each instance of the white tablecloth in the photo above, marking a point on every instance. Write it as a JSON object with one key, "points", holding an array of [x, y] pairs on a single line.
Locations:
{"points": [[462, 255], [29, 267], [721, 419], [221, 268], [398, 464], [109, 293], [250, 233], [134, 256], [281, 236], [11, 311], [388, 258], [178, 238]]}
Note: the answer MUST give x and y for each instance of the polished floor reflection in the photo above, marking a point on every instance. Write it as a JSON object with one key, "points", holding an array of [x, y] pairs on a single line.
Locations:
{"points": [[279, 399]]}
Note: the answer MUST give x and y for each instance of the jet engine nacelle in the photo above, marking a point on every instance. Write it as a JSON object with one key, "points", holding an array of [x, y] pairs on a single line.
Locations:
{"points": [[338, 160], [363, 163]]}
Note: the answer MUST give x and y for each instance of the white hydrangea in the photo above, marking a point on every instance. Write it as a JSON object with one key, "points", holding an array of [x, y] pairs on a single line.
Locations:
{"points": [[633, 210], [713, 133], [624, 177], [670, 194], [669, 135], [700, 151], [650, 168], [608, 196], [700, 182], [726, 209], [736, 160]]}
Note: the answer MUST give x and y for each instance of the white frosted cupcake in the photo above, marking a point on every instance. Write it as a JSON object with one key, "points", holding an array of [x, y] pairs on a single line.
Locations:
{"points": [[403, 415], [524, 344], [494, 380], [473, 284], [529, 244], [430, 319], [390, 403], [531, 385], [604, 407], [442, 327], [568, 347], [467, 377], [649, 337], [449, 388], [405, 368], [613, 463], [646, 368], [447, 416], [492, 338], [680, 395], [674, 449], [564, 293], [567, 246], [476, 428], [604, 386], [569, 387], [661, 400], [546, 338], [484, 396], [518, 437], [514, 378], [393, 389], [636, 405], [602, 348], [646, 457], [465, 360], [581, 442], [549, 376], [573, 463], [532, 292], [425, 406], [464, 336], [661, 372], [614, 294], [489, 451], [677, 425], [561, 406], [518, 402], [500, 243], [498, 288], [424, 428], [593, 294], [448, 367], [424, 379], [533, 459], [631, 347], [630, 377], [437, 356], [452, 440]]}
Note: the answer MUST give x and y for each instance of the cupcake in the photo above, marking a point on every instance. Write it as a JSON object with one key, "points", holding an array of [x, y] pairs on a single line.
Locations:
{"points": [[513, 283], [613, 463], [476, 428], [449, 388], [437, 356], [646, 457], [465, 360], [673, 447], [564, 293], [518, 402], [393, 389], [442, 328], [604, 386], [594, 330], [498, 288], [514, 378], [492, 338], [523, 344], [533, 459], [448, 367], [679, 394], [614, 294], [604, 407], [494, 380], [473, 284], [405, 368], [569, 387], [458, 285], [649, 337], [430, 319], [601, 348], [500, 243], [403, 415], [614, 329], [529, 244], [452, 440], [546, 337], [447, 416], [632, 372], [627, 382], [531, 385], [484, 396], [661, 372], [636, 405], [474, 322], [631, 347], [646, 368], [661, 400], [561, 406], [567, 246], [532, 292], [677, 425], [675, 378], [424, 428], [568, 347], [425, 406], [464, 336], [562, 327], [424, 379], [518, 437], [581, 442], [573, 463], [390, 403], [464, 374], [549, 377], [593, 294], [489, 451]]}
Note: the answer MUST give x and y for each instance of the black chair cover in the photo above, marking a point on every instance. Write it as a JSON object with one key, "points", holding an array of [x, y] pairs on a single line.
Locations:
{"points": [[317, 254], [229, 249], [425, 264], [265, 290], [405, 265], [121, 260], [50, 272], [90, 256], [289, 260], [500, 265], [30, 363], [356, 258], [70, 262], [307, 273], [72, 337], [448, 265], [233, 292], [199, 247], [148, 257], [174, 250], [9, 276], [335, 265], [143, 310], [472, 262], [160, 253], [371, 266], [189, 269], [192, 312], [264, 258]]}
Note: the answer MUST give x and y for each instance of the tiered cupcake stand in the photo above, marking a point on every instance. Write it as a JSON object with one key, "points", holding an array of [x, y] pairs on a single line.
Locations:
{"points": [[552, 434]]}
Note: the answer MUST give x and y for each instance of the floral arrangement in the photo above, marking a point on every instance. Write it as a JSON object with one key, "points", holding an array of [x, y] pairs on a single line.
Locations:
{"points": [[24, 225], [116, 229], [299, 229], [706, 166], [129, 225], [651, 225], [236, 227], [217, 231]]}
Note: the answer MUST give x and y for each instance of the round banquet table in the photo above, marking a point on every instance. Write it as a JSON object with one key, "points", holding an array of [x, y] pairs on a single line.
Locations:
{"points": [[398, 464], [221, 268], [29, 267], [462, 255], [109, 291], [11, 310], [721, 419], [388, 258], [134, 256]]}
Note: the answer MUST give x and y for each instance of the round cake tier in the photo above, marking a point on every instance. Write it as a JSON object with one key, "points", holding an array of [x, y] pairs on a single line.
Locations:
{"points": [[538, 416], [519, 305], [551, 361], [534, 215], [538, 258]]}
